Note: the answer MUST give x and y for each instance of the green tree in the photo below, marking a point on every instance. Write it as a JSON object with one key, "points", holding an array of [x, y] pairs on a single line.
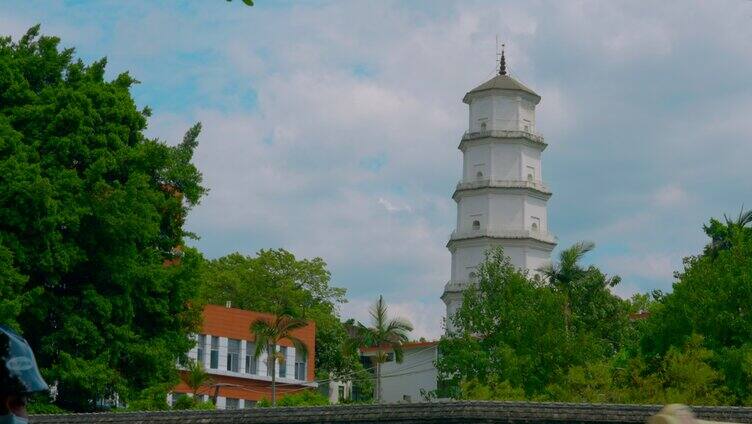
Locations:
{"points": [[510, 329], [711, 298], [268, 334], [196, 377], [91, 210], [564, 275], [722, 234], [513, 329], [13, 298], [386, 334], [274, 281]]}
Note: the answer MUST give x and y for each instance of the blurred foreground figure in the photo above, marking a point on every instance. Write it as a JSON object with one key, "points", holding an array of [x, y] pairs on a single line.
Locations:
{"points": [[19, 377]]}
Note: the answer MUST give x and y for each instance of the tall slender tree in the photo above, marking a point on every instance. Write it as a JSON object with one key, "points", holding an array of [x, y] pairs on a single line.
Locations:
{"points": [[196, 377], [562, 275], [269, 333], [386, 335]]}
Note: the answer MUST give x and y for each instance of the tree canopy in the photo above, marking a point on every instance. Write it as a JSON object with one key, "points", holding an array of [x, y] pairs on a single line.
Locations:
{"points": [[90, 211], [568, 338], [276, 281]]}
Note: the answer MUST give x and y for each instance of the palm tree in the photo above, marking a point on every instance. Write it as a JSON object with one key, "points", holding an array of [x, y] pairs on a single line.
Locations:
{"points": [[385, 334], [268, 333], [562, 275], [196, 377], [722, 234]]}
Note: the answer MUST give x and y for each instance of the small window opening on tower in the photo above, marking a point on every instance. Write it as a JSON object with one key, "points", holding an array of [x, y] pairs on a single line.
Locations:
{"points": [[483, 127], [472, 275], [535, 225], [476, 225], [479, 175], [531, 173]]}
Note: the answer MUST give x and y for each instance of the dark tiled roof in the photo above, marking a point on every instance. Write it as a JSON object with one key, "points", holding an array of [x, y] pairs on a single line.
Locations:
{"points": [[501, 82], [436, 412]]}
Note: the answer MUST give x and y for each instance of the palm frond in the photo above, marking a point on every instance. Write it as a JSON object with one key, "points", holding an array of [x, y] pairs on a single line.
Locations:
{"points": [[398, 325]]}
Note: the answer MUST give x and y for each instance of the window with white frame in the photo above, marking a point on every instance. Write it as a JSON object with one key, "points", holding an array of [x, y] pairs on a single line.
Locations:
{"points": [[251, 362], [200, 349], [283, 363], [214, 355], [233, 355], [300, 364]]}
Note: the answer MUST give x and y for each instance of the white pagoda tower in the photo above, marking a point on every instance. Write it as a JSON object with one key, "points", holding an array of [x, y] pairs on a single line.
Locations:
{"points": [[501, 198]]}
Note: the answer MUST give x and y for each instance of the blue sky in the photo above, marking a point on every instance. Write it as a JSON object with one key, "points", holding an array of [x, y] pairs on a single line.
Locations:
{"points": [[331, 128]]}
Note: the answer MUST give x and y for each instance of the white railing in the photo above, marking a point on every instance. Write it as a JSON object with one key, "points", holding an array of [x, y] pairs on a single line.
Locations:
{"points": [[544, 236], [469, 135], [487, 182]]}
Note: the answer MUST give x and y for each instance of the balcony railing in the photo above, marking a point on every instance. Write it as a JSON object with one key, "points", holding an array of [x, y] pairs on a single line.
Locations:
{"points": [[543, 236], [471, 135], [487, 182]]}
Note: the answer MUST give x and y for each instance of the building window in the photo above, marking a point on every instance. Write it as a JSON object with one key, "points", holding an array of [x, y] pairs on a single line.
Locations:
{"points": [[283, 363], [270, 359], [535, 225], [476, 225], [232, 403], [482, 126], [479, 175], [472, 275], [233, 355], [341, 393], [531, 173], [251, 362], [200, 349], [300, 365], [214, 358]]}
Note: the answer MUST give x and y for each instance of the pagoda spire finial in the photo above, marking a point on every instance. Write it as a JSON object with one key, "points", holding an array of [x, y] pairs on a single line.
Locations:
{"points": [[502, 62]]}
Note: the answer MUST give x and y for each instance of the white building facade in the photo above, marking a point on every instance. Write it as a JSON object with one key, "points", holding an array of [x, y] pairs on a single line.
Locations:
{"points": [[226, 350], [412, 380], [501, 198]]}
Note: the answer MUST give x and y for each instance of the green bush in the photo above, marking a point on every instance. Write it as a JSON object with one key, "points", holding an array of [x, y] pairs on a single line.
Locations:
{"points": [[304, 398]]}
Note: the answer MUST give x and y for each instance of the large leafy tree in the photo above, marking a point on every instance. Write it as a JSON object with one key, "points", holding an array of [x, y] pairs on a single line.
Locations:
{"points": [[275, 281], [268, 333], [386, 335], [712, 298], [91, 220], [521, 335]]}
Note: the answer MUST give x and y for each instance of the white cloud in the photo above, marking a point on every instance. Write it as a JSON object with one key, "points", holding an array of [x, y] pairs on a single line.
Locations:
{"points": [[650, 265], [391, 207], [670, 196], [648, 123]]}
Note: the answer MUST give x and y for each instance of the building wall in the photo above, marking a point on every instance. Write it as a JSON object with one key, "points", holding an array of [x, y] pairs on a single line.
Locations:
{"points": [[232, 323], [403, 382]]}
